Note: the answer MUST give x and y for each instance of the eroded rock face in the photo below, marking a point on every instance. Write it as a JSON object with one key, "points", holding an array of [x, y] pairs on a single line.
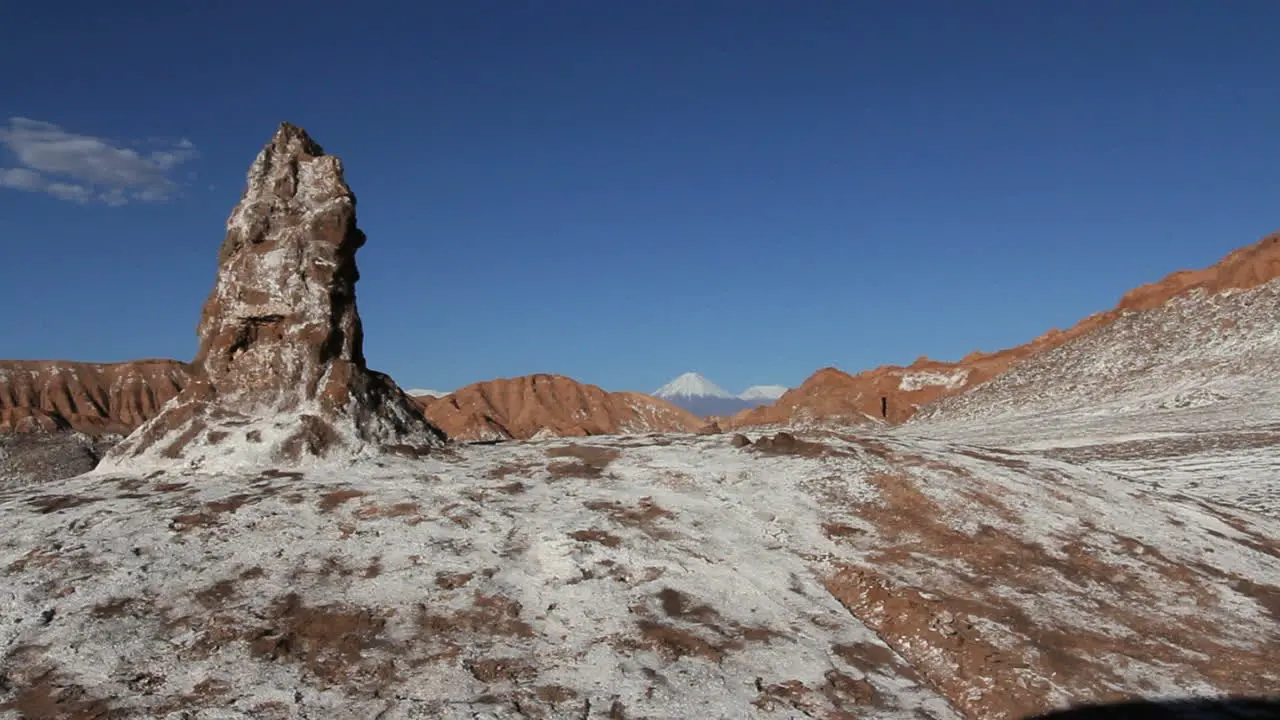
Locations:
{"points": [[91, 398], [280, 373], [520, 408], [894, 394]]}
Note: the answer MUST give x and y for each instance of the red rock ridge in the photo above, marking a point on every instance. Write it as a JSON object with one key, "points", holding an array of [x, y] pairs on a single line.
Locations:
{"points": [[92, 398], [835, 396], [522, 407]]}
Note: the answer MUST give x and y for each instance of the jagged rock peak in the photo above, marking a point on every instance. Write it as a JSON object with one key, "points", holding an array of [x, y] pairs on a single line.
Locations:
{"points": [[280, 337], [286, 271]]}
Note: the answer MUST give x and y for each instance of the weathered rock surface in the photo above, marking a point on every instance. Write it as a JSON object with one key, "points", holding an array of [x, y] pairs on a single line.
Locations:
{"points": [[91, 398], [818, 575], [894, 394], [280, 374], [553, 405]]}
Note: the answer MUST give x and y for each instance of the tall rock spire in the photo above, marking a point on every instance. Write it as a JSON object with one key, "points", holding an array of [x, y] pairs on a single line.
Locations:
{"points": [[281, 374]]}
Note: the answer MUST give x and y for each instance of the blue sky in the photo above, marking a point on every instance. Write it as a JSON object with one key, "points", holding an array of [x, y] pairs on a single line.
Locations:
{"points": [[622, 191]]}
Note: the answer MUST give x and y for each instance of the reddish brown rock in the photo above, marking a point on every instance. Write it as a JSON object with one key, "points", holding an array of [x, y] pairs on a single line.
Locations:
{"points": [[550, 405], [711, 427], [92, 398], [280, 372], [831, 395]]}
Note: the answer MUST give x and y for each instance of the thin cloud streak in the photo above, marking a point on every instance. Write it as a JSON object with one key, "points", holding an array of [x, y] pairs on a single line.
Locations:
{"points": [[86, 169]]}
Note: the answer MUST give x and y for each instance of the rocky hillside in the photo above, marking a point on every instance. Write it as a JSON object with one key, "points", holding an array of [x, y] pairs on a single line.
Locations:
{"points": [[550, 405], [91, 398], [831, 395], [1196, 349]]}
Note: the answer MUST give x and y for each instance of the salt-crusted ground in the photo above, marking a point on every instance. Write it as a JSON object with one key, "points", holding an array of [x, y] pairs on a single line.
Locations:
{"points": [[1225, 450], [654, 576]]}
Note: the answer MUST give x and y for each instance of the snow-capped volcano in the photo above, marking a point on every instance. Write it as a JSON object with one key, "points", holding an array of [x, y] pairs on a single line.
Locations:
{"points": [[700, 396], [763, 393], [691, 385]]}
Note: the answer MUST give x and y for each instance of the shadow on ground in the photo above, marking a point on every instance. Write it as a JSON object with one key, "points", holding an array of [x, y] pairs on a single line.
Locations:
{"points": [[1191, 709]]}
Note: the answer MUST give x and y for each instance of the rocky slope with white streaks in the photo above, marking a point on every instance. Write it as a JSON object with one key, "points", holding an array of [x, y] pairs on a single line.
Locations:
{"points": [[1183, 395], [92, 398], [894, 394], [550, 406], [833, 576], [1194, 350], [280, 375]]}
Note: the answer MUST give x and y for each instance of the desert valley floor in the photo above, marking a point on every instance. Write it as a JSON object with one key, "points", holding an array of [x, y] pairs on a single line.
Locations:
{"points": [[934, 570]]}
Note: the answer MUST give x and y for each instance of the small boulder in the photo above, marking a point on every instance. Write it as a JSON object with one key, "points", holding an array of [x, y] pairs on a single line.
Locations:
{"points": [[784, 442], [711, 428]]}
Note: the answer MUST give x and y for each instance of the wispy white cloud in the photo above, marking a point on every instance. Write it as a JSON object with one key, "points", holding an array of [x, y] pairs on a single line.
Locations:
{"points": [[85, 169]]}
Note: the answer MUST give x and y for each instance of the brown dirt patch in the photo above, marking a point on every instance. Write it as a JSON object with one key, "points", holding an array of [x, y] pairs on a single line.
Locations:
{"points": [[839, 689], [598, 536], [47, 504], [1267, 596], [644, 516], [707, 634], [555, 694], [313, 438], [674, 643], [218, 594], [493, 615], [114, 608], [50, 699], [206, 515], [334, 498], [840, 530], [228, 504], [503, 470], [175, 448], [329, 642], [396, 510], [452, 581], [591, 461], [495, 670]]}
